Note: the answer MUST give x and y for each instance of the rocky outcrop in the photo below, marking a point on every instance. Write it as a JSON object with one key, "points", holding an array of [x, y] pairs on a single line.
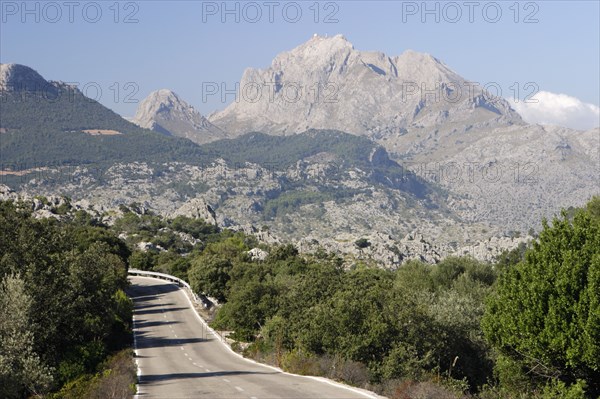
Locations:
{"points": [[197, 208], [165, 112], [490, 249], [16, 77], [43, 207], [436, 123], [257, 254]]}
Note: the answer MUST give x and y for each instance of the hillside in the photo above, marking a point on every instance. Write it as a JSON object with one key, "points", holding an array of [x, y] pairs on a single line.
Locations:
{"points": [[316, 188], [431, 120], [44, 123]]}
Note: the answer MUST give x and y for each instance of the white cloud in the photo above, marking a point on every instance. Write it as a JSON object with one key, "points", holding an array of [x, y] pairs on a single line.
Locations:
{"points": [[558, 109]]}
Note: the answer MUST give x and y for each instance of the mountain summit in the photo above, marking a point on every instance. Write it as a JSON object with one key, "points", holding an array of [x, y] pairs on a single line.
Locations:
{"points": [[165, 112], [439, 124], [17, 77], [327, 83]]}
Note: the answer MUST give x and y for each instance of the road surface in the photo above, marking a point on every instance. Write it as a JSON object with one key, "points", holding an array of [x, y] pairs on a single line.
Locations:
{"points": [[178, 358]]}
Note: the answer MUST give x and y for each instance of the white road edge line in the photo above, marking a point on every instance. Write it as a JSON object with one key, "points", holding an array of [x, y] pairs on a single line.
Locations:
{"points": [[321, 379], [137, 363]]}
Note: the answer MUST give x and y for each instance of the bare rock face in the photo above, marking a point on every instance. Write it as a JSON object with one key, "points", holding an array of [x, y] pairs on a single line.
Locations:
{"points": [[16, 77], [165, 112], [197, 208], [257, 254], [436, 123], [326, 83]]}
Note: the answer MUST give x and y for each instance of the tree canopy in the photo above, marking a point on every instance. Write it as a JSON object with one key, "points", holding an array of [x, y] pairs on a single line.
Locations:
{"points": [[544, 318]]}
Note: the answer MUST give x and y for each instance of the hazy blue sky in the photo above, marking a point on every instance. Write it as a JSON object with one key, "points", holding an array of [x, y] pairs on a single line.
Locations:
{"points": [[180, 44]]}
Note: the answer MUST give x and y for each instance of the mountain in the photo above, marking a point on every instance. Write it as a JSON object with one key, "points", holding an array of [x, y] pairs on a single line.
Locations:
{"points": [[326, 83], [19, 78], [431, 120], [51, 123], [310, 187], [454, 172], [165, 112], [317, 188]]}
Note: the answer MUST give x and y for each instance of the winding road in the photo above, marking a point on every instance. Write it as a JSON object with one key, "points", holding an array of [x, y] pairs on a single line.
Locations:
{"points": [[178, 357]]}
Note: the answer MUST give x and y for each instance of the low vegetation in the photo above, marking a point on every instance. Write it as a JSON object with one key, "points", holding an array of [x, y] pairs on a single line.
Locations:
{"points": [[63, 309], [445, 330], [526, 326]]}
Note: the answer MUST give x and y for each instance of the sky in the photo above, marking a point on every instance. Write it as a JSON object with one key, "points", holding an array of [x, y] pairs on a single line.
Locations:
{"points": [[119, 52]]}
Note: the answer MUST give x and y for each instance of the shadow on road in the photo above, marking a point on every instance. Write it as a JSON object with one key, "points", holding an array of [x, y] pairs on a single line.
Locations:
{"points": [[175, 376], [152, 305], [145, 324], [154, 311], [157, 342], [148, 293]]}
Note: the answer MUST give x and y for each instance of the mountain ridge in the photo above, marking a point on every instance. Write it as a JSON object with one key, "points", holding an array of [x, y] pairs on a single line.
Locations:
{"points": [[484, 170], [359, 92], [165, 112], [52, 123]]}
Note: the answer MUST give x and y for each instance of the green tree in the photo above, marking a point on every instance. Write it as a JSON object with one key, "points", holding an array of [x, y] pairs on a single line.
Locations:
{"points": [[21, 369], [593, 207], [210, 275], [353, 321], [142, 260], [544, 319], [362, 243], [249, 305], [72, 274]]}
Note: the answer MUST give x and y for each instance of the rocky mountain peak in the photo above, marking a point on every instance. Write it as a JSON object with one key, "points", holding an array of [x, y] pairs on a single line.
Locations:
{"points": [[164, 103], [325, 83], [318, 47], [17, 77], [165, 112]]}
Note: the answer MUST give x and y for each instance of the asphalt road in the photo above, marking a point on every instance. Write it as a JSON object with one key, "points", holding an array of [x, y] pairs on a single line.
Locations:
{"points": [[179, 358]]}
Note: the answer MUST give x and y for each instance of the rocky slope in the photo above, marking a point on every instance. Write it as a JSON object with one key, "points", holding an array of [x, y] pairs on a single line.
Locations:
{"points": [[431, 120], [469, 170], [326, 83], [165, 112]]}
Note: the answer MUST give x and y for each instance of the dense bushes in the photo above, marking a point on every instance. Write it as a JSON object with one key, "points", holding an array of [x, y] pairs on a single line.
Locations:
{"points": [[374, 325], [544, 319], [525, 327], [423, 322], [116, 378], [66, 279]]}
